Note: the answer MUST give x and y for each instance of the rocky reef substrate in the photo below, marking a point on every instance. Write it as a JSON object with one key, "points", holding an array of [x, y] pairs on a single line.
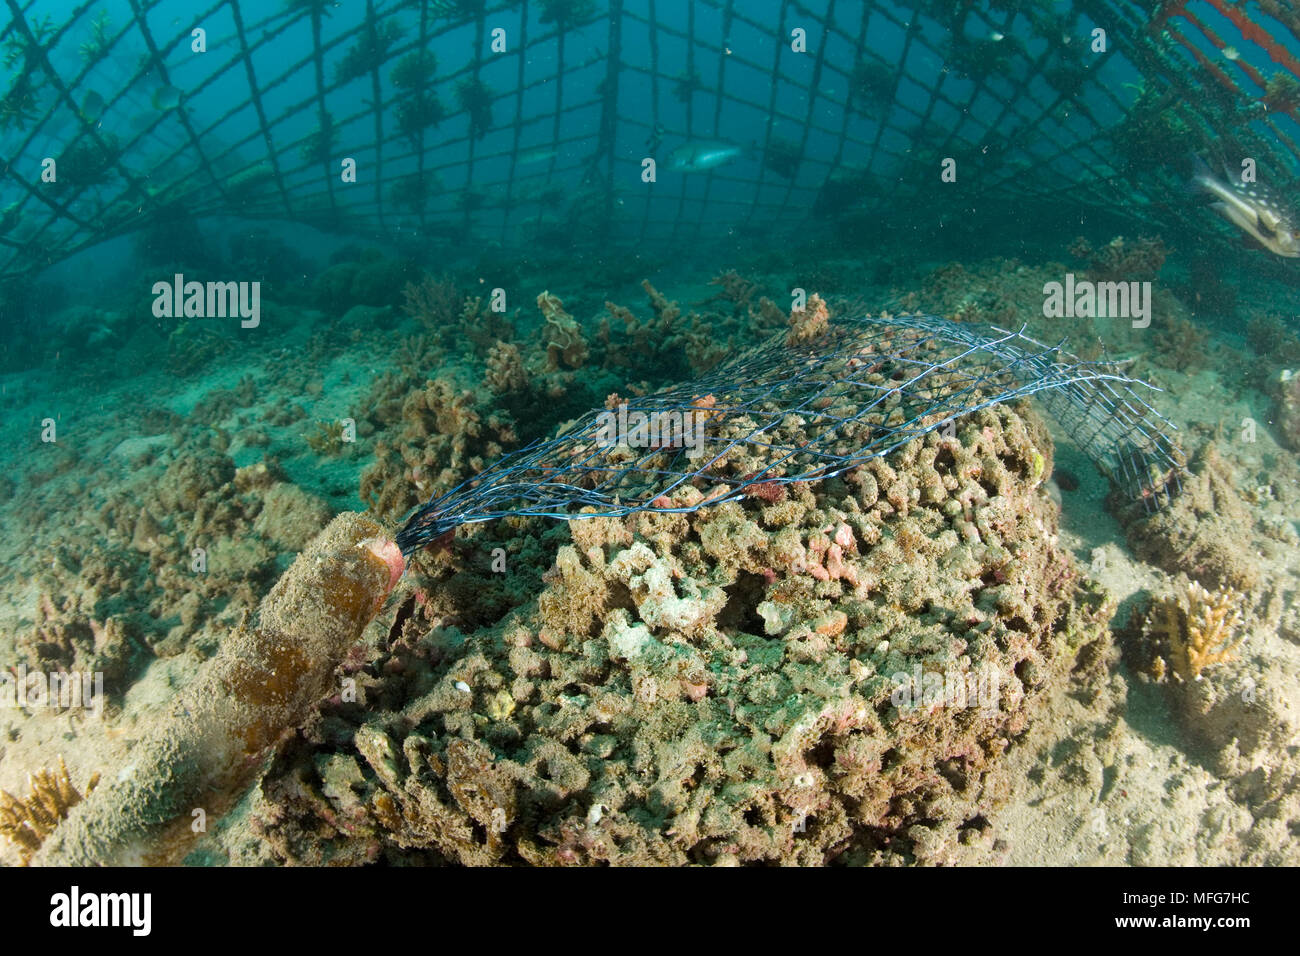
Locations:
{"points": [[819, 672]]}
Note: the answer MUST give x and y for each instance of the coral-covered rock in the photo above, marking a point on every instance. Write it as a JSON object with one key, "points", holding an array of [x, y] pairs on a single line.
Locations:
{"points": [[290, 517], [372, 280], [836, 674], [192, 477], [1121, 259], [1199, 534]]}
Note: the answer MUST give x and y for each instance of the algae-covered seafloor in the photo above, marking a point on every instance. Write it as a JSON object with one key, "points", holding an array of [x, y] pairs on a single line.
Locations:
{"points": [[971, 650]]}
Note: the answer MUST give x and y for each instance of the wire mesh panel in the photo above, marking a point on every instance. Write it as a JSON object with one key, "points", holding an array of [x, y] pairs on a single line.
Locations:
{"points": [[531, 120], [792, 410]]}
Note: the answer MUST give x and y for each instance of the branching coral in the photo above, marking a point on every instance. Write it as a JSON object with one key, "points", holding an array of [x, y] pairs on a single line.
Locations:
{"points": [[736, 289], [688, 83], [567, 13], [90, 162], [1122, 259], [446, 435], [1156, 127], [505, 369], [1200, 627], [414, 70], [694, 341], [783, 156], [871, 86], [97, 46], [18, 106], [482, 327], [1282, 92], [418, 112], [456, 9], [28, 821], [19, 48], [317, 146], [978, 59], [370, 50], [327, 438]]}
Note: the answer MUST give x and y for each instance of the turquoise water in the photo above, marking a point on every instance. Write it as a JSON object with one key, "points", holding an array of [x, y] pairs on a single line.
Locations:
{"points": [[283, 260]]}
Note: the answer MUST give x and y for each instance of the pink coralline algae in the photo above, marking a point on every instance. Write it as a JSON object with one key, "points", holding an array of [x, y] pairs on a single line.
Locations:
{"points": [[826, 557]]}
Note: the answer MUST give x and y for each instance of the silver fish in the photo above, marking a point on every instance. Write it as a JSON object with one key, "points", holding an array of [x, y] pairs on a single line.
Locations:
{"points": [[1252, 209], [700, 155]]}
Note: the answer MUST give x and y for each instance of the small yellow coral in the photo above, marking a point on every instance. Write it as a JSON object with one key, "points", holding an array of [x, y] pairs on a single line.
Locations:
{"points": [[27, 822], [501, 705], [1200, 627], [328, 438]]}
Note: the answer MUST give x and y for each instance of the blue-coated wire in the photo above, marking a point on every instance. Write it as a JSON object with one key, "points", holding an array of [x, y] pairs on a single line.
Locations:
{"points": [[938, 370]]}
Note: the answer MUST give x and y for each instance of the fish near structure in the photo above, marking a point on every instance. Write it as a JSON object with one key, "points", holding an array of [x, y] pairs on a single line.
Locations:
{"points": [[1252, 209], [536, 155], [699, 155], [166, 97]]}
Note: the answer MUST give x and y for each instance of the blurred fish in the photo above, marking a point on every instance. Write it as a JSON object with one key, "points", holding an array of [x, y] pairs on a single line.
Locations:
{"points": [[699, 155], [166, 98], [1252, 209], [92, 107], [538, 154]]}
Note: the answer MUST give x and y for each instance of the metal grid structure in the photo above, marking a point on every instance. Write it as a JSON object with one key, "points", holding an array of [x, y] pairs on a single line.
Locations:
{"points": [[456, 142], [789, 411]]}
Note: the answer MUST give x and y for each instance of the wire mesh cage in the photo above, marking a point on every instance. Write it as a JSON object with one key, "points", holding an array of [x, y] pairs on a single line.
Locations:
{"points": [[805, 408], [531, 120]]}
